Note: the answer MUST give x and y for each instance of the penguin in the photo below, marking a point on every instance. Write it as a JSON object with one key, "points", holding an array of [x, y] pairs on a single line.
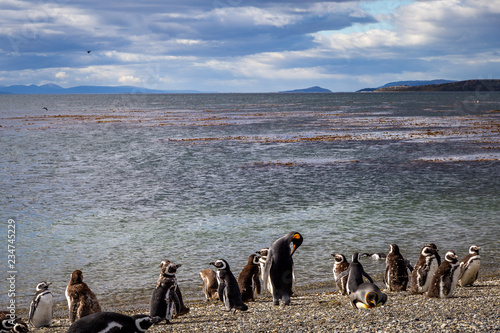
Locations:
{"points": [[40, 314], [81, 300], [229, 292], [374, 256], [367, 295], [425, 268], [445, 279], [183, 309], [262, 261], [164, 298], [112, 322], [278, 271], [248, 279], [396, 270], [470, 267], [340, 266], [354, 273], [210, 284], [13, 326]]}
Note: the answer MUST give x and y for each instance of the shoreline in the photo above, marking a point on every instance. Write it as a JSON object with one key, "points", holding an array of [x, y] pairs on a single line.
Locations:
{"points": [[318, 308]]}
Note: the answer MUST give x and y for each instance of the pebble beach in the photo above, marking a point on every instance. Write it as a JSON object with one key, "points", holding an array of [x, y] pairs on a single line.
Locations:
{"points": [[320, 308]]}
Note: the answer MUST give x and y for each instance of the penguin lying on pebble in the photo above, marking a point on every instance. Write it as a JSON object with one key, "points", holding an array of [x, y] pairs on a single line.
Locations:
{"points": [[40, 314], [374, 256], [229, 292], [13, 326], [102, 322], [367, 295]]}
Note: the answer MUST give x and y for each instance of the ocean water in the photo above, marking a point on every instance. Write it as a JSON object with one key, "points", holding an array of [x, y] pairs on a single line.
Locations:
{"points": [[113, 184]]}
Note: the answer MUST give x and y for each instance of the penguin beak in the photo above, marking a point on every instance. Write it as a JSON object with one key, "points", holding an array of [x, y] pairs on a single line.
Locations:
{"points": [[212, 263]]}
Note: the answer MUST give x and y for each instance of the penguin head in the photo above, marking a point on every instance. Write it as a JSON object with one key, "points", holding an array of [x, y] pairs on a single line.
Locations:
{"points": [[263, 252], [76, 277], [44, 285], [451, 257], [296, 240], [428, 251], [220, 264], [171, 269], [394, 249], [474, 249], [253, 260], [143, 322], [355, 257], [371, 299], [339, 258], [20, 327]]}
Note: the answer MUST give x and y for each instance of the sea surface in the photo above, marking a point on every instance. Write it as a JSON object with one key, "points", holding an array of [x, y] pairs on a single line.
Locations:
{"points": [[113, 184]]}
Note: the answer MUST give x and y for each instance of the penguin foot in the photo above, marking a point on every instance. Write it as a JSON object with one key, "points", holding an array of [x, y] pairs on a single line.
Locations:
{"points": [[276, 302]]}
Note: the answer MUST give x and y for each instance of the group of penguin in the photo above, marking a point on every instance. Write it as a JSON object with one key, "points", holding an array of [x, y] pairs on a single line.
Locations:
{"points": [[429, 277], [275, 267]]}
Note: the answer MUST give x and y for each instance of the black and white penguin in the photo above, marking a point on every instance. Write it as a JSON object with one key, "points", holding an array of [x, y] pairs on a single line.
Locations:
{"points": [[164, 299], [81, 300], [102, 322], [354, 273], [249, 280], [340, 266], [40, 314], [210, 284], [374, 256], [396, 270], [279, 274], [425, 268], [367, 295], [13, 326], [183, 309], [470, 267], [229, 292], [262, 261], [445, 279]]}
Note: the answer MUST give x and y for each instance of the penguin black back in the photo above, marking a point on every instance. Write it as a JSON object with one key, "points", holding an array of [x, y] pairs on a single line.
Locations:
{"points": [[112, 322], [279, 275], [396, 270], [355, 274], [229, 292]]}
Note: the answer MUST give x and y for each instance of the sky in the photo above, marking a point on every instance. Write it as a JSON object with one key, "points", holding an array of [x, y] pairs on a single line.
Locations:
{"points": [[247, 45]]}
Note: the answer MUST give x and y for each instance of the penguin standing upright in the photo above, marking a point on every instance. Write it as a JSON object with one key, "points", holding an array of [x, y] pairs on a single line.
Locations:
{"points": [[183, 309], [279, 274], [445, 279], [354, 273], [210, 284], [396, 270], [248, 279], [470, 267], [229, 292], [367, 295], [340, 266], [164, 298], [81, 300], [112, 322], [262, 261], [425, 268], [40, 314]]}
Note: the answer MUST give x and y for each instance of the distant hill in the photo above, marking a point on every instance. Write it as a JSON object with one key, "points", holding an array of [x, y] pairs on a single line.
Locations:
{"points": [[468, 85], [55, 89], [407, 83], [314, 89]]}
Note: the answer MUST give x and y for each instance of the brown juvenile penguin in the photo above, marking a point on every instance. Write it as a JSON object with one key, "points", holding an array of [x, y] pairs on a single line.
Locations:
{"points": [[81, 300], [396, 270], [340, 266], [210, 284], [248, 280]]}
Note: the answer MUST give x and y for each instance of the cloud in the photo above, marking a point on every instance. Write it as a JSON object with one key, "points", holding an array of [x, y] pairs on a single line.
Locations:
{"points": [[246, 44]]}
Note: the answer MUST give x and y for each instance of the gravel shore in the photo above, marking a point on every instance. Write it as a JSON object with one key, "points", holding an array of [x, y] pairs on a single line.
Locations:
{"points": [[472, 309]]}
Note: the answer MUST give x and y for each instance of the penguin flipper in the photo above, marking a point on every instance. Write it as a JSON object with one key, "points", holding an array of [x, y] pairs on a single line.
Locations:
{"points": [[267, 269], [256, 281], [341, 275], [227, 303], [367, 276]]}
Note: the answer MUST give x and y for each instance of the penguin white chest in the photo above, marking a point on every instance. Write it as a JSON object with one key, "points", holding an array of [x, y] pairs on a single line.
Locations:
{"points": [[469, 275], [43, 313]]}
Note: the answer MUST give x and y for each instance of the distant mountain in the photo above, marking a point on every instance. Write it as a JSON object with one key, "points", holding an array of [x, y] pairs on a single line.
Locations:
{"points": [[55, 89], [467, 85], [407, 83], [314, 89]]}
